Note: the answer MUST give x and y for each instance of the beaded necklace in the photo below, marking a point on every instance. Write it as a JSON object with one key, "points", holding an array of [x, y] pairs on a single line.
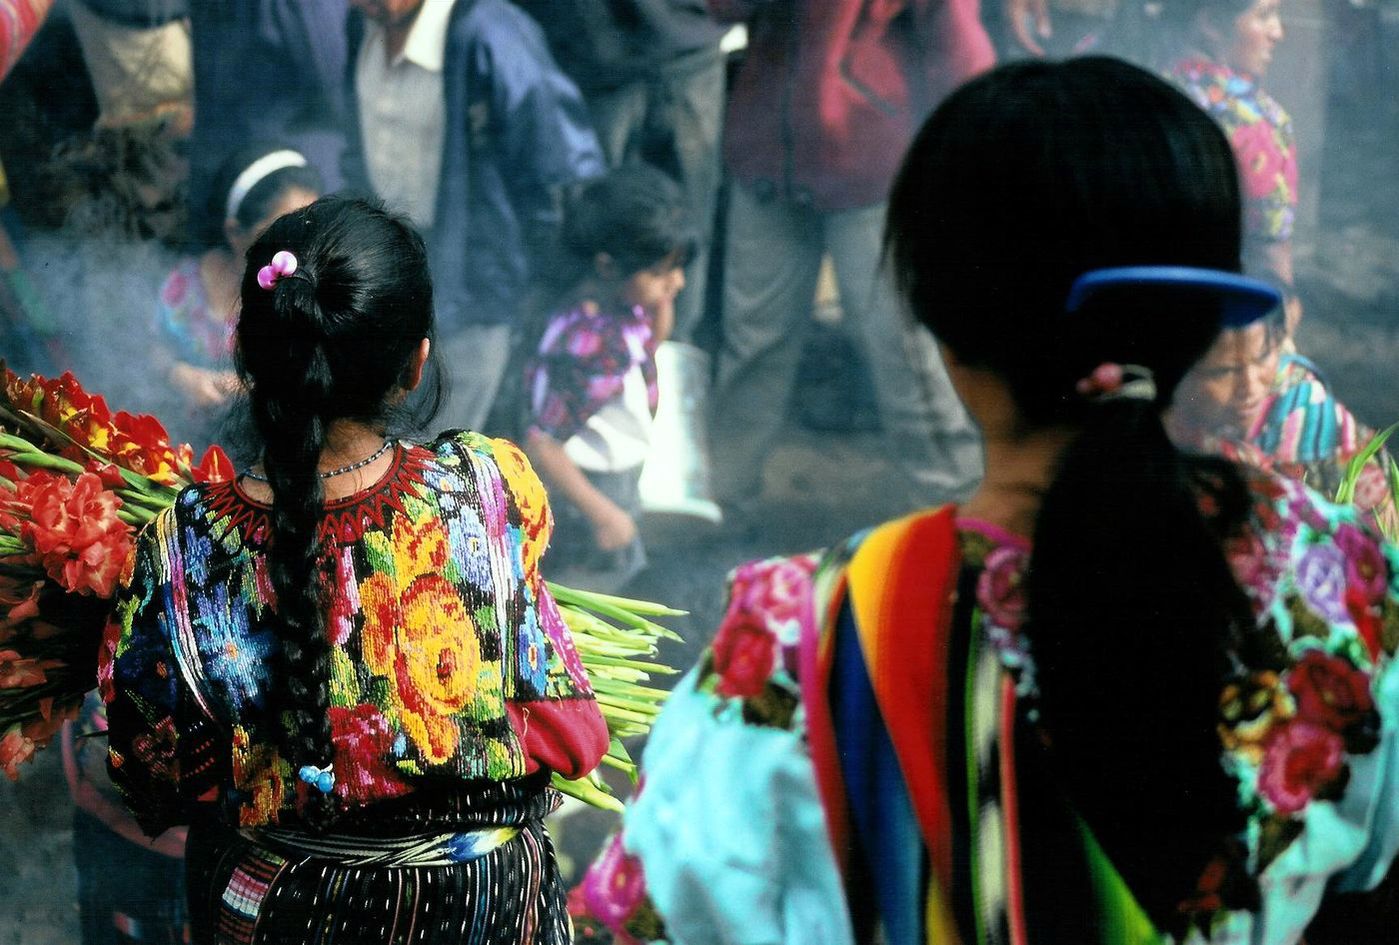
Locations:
{"points": [[332, 473]]}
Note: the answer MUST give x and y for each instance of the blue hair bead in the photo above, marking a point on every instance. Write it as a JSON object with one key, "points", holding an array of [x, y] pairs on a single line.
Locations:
{"points": [[322, 779]]}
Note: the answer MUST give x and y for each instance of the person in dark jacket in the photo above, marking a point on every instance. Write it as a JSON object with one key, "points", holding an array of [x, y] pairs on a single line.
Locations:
{"points": [[265, 70], [463, 121], [821, 112]]}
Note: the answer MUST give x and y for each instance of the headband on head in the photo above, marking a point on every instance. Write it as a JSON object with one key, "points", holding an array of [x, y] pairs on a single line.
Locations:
{"points": [[1243, 300], [255, 173]]}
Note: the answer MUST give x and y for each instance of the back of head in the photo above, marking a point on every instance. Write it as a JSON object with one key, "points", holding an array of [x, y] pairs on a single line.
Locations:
{"points": [[251, 183], [1037, 173], [334, 340], [635, 214], [1022, 181]]}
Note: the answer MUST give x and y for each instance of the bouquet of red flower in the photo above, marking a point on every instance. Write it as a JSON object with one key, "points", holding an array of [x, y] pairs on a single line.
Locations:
{"points": [[76, 483]]}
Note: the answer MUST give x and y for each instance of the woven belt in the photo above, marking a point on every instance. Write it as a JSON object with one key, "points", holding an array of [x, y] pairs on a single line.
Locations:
{"points": [[436, 849]]}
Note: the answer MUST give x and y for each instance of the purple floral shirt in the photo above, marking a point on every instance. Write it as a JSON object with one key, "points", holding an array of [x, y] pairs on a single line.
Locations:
{"points": [[582, 363]]}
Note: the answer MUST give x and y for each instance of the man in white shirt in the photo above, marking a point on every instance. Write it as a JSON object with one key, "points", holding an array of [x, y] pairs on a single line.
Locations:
{"points": [[467, 126]]}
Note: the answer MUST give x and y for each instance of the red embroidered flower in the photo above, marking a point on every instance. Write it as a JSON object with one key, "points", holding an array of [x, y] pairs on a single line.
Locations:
{"points": [[74, 527], [1367, 620], [1262, 161], [779, 592], [744, 654], [15, 749], [363, 740], [1329, 691], [1300, 760], [1366, 568]]}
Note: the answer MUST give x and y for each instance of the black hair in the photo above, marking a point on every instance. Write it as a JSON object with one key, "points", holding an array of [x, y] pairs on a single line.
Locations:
{"points": [[262, 198], [1023, 180], [333, 341], [636, 214]]}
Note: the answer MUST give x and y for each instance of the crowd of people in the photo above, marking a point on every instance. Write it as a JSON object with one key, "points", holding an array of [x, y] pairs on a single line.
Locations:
{"points": [[1130, 678]]}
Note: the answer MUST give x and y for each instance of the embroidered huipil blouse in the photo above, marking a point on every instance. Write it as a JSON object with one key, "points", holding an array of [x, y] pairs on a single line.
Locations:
{"points": [[1261, 134], [450, 660]]}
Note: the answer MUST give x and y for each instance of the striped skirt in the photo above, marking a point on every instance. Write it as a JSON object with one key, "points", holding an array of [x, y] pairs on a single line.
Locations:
{"points": [[245, 890]]}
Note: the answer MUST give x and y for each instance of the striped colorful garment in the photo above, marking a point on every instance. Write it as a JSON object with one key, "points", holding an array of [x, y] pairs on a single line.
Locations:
{"points": [[858, 756], [19, 21], [247, 892], [451, 666]]}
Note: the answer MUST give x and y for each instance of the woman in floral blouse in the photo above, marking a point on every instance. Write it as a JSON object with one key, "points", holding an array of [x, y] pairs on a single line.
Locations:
{"points": [[344, 667], [1229, 47], [1122, 695]]}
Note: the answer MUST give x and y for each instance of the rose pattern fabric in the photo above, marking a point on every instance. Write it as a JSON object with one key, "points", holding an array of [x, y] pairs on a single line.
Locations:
{"points": [[442, 636], [1287, 731]]}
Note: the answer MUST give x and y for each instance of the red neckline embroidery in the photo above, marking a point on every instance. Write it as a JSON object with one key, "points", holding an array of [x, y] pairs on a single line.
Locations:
{"points": [[346, 519]]}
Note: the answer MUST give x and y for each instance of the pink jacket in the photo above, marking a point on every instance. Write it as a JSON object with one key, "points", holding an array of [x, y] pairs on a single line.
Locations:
{"points": [[831, 91]]}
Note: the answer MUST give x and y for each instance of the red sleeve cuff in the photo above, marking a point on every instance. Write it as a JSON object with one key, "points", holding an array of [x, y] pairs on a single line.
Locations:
{"points": [[564, 735]]}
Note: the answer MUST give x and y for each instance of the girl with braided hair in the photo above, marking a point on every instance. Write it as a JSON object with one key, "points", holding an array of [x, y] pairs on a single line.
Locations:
{"points": [[344, 666]]}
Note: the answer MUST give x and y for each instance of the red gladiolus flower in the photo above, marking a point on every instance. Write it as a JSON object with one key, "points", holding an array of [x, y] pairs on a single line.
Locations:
{"points": [[75, 530], [214, 466]]}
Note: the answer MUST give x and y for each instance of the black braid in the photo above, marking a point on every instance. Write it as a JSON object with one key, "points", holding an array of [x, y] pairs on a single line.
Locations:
{"points": [[330, 342]]}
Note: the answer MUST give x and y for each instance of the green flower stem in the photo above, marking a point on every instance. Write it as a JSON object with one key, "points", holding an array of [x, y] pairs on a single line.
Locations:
{"points": [[588, 793], [587, 598]]}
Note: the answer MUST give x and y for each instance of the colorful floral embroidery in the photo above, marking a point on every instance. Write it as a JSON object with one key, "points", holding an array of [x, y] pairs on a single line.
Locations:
{"points": [[438, 620], [1261, 134]]}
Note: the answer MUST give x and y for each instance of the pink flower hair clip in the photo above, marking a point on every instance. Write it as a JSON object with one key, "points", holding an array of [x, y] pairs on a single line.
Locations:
{"points": [[283, 264], [1112, 381]]}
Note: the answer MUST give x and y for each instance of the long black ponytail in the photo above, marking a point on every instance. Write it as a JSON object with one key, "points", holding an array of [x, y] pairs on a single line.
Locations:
{"points": [[1023, 180], [334, 340]]}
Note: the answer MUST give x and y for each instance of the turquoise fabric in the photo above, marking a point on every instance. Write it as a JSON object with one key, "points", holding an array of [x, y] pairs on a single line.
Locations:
{"points": [[732, 833]]}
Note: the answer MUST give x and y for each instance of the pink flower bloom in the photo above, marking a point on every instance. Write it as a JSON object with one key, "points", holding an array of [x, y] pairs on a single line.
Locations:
{"points": [[614, 886], [1263, 164], [1300, 759], [1366, 569], [778, 592], [1000, 590]]}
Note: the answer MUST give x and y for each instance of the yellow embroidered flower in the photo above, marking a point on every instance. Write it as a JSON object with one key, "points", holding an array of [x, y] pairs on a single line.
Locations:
{"points": [[260, 773], [530, 498], [438, 665], [418, 548], [378, 596]]}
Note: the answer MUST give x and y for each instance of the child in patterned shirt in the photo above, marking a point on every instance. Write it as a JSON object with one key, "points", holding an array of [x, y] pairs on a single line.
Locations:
{"points": [[590, 383]]}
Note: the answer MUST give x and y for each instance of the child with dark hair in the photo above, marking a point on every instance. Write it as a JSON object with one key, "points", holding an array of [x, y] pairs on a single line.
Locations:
{"points": [[343, 667], [591, 383], [199, 300]]}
